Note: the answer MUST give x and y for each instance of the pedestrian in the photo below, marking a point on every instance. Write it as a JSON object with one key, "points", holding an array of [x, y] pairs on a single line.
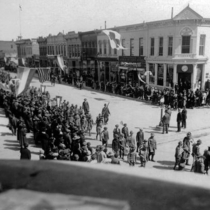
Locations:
{"points": [[179, 120], [25, 153], [165, 121], [131, 141], [152, 145], [105, 137], [116, 131], [207, 159], [115, 144], [85, 106], [105, 114], [187, 144], [122, 144], [196, 153], [139, 138], [184, 118], [125, 131], [132, 156], [178, 154], [143, 153], [101, 156]]}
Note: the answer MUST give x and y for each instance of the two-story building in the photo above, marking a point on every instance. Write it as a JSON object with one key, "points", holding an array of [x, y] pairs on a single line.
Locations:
{"points": [[56, 45], [163, 52], [73, 51], [89, 56], [42, 41]]}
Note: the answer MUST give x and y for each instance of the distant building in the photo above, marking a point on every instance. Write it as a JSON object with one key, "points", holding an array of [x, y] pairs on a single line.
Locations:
{"points": [[28, 52], [8, 51]]}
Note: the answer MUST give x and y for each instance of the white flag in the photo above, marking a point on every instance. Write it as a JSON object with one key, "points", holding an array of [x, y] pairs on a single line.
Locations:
{"points": [[114, 39]]}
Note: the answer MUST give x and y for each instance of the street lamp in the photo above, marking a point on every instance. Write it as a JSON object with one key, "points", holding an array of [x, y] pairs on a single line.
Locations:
{"points": [[58, 100]]}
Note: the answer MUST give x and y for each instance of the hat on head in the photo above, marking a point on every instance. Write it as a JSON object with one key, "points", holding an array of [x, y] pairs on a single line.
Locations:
{"points": [[110, 154], [152, 134], [180, 143], [199, 141], [62, 146]]}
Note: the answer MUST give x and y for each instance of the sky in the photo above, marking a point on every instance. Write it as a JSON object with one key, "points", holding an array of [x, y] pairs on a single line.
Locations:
{"points": [[44, 17]]}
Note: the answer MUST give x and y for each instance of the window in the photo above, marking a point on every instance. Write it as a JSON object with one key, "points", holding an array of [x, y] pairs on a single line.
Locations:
{"points": [[152, 46], [152, 73], [115, 51], [100, 48], [64, 50], [69, 51], [161, 46], [123, 44], [11, 46], [169, 75], [202, 44], [141, 47], [104, 47], [131, 47], [78, 50], [170, 46], [110, 49], [160, 75], [185, 44]]}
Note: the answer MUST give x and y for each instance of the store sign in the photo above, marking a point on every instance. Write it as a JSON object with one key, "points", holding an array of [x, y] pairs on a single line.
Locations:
{"points": [[139, 60]]}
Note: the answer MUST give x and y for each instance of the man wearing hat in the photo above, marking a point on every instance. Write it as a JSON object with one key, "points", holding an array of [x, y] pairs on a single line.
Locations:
{"points": [[85, 106], [25, 153], [115, 144], [187, 143], [207, 159], [143, 149], [152, 144], [179, 120], [105, 136], [116, 131], [165, 121], [125, 131], [196, 153], [178, 154], [105, 114], [139, 138]]}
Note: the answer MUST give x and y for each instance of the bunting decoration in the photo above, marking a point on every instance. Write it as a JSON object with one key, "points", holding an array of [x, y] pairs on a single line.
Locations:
{"points": [[25, 77]]}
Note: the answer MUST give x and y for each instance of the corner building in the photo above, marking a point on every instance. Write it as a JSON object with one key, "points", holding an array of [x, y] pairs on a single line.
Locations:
{"points": [[165, 52]]}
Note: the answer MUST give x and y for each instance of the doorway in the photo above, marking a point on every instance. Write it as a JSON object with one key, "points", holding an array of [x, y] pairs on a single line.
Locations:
{"points": [[184, 81]]}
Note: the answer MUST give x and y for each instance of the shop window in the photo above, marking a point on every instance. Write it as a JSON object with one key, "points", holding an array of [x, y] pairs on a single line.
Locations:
{"points": [[131, 47], [186, 44], [161, 46], [169, 75], [152, 73], [160, 75], [141, 47], [11, 46], [152, 46], [170, 46], [202, 44], [123, 44]]}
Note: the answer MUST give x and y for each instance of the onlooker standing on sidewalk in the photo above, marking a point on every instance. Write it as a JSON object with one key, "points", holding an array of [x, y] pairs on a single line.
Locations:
{"points": [[165, 121], [184, 118], [139, 138], [152, 144], [179, 120]]}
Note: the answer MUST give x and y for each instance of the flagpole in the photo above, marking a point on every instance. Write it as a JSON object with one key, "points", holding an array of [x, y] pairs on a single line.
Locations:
{"points": [[20, 19]]}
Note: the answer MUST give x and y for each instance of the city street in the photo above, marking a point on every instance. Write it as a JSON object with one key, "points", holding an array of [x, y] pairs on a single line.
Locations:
{"points": [[135, 114]]}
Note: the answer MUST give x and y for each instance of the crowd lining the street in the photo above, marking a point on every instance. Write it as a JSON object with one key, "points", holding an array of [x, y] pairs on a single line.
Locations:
{"points": [[61, 128]]}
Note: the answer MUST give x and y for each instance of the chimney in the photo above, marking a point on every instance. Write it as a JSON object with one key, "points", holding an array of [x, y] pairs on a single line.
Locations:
{"points": [[105, 24], [172, 11]]}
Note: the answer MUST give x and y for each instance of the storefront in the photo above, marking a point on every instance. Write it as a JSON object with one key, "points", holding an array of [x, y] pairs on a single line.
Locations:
{"points": [[132, 70], [107, 69]]}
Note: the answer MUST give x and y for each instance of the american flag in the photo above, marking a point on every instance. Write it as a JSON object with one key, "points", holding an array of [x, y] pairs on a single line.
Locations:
{"points": [[43, 74]]}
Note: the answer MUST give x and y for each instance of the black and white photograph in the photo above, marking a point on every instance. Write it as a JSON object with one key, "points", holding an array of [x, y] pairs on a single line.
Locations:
{"points": [[104, 104]]}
